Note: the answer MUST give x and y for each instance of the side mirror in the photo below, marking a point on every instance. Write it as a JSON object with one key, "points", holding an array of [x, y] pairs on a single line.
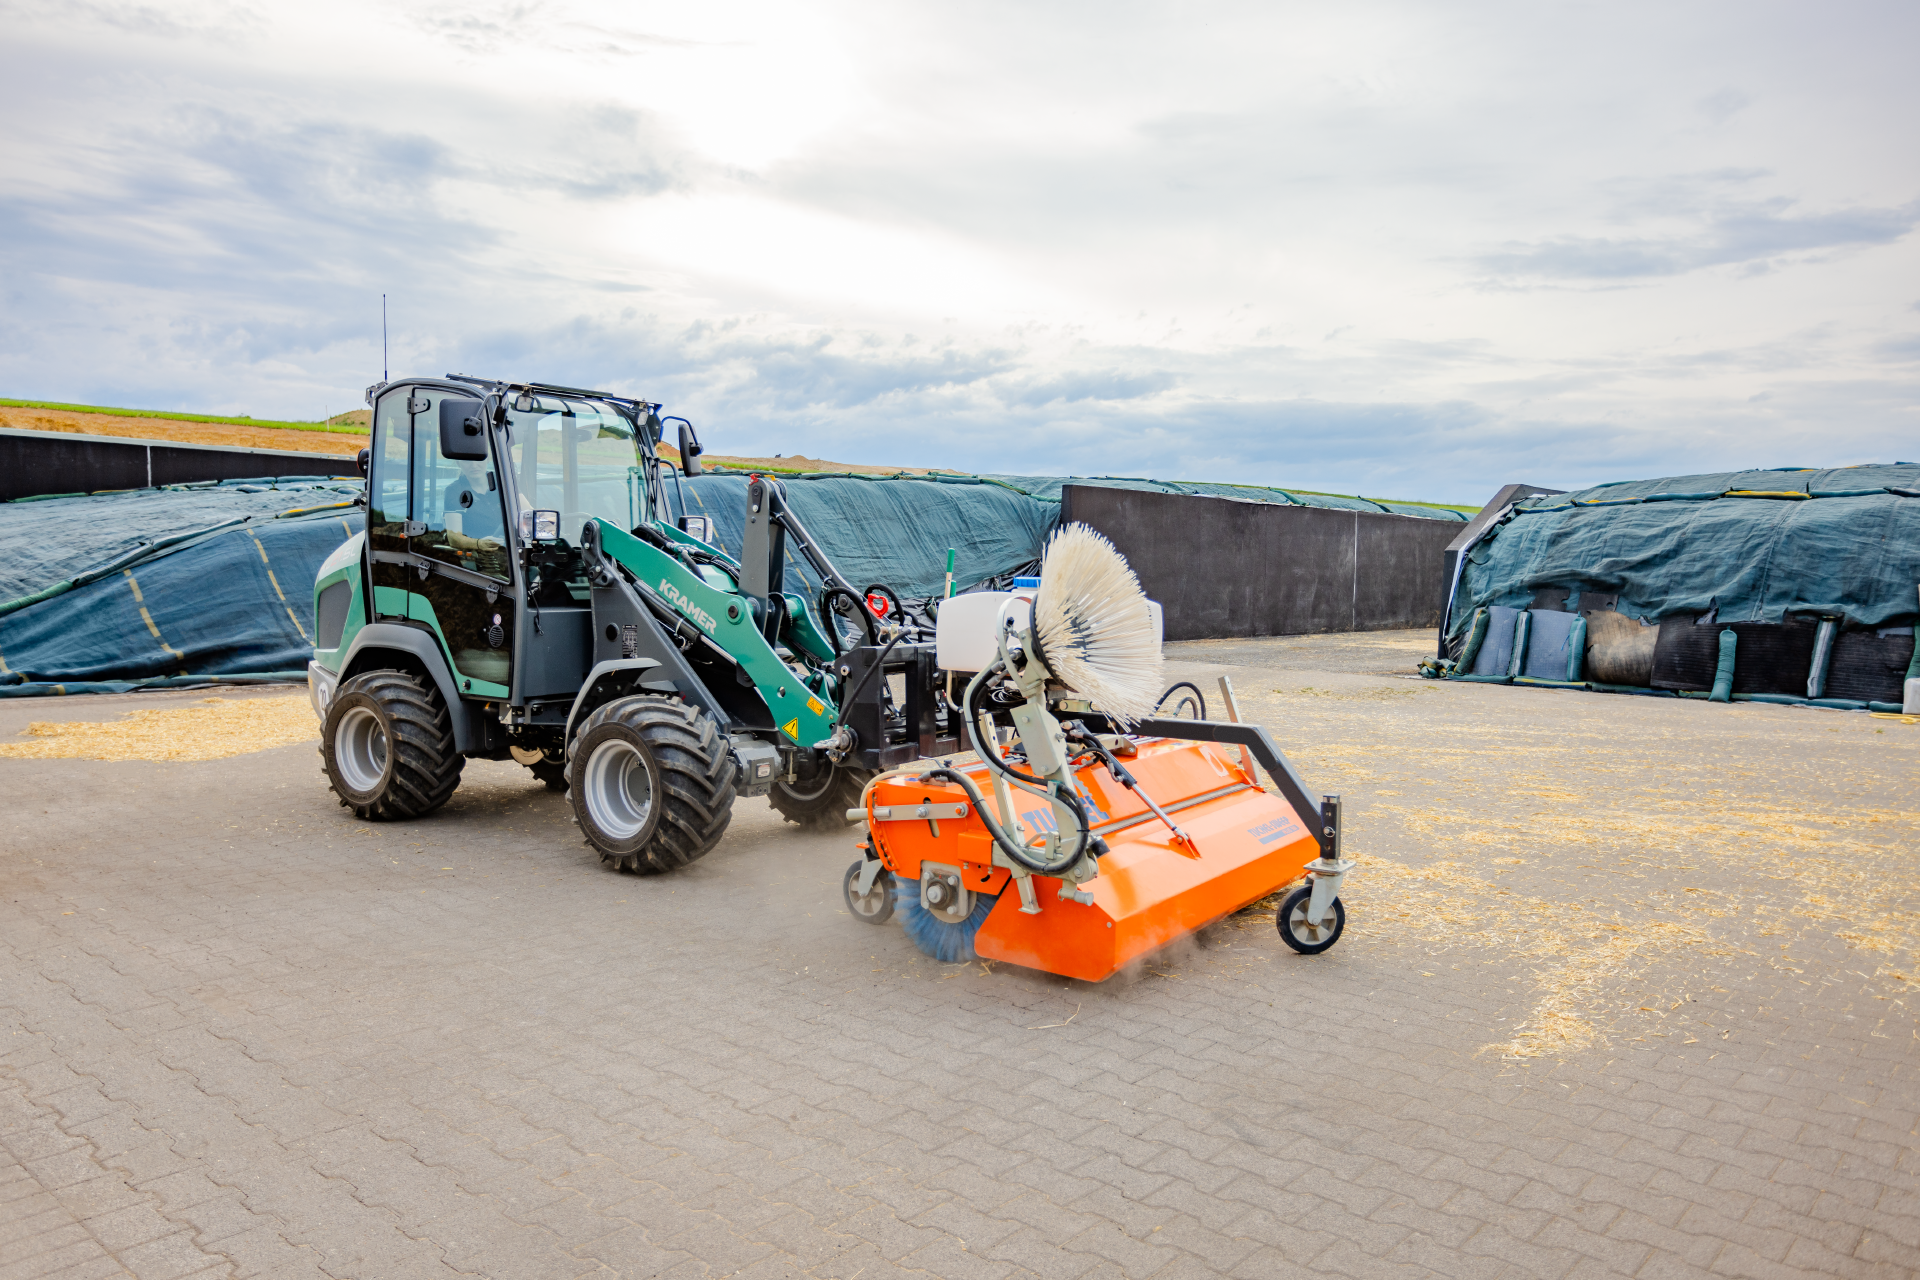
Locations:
{"points": [[700, 527], [540, 526], [690, 449], [463, 430], [364, 460]]}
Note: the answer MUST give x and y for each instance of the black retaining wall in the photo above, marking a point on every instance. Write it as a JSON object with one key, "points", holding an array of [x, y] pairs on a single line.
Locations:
{"points": [[1223, 567], [38, 462]]}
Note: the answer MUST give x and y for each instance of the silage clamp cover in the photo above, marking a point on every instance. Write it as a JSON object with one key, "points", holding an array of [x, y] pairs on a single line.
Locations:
{"points": [[1749, 546]]}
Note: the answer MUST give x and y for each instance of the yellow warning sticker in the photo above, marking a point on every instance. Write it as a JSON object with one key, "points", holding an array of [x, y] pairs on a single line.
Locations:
{"points": [[792, 728], [816, 706]]}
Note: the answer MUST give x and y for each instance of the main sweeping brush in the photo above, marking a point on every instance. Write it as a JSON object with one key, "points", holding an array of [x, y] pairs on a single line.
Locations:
{"points": [[1092, 627]]}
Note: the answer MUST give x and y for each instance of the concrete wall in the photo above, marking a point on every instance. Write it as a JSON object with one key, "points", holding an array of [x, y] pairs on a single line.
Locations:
{"points": [[37, 462], [1222, 567]]}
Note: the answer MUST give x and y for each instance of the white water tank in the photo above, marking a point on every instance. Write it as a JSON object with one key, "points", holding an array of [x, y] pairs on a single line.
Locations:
{"points": [[967, 637]]}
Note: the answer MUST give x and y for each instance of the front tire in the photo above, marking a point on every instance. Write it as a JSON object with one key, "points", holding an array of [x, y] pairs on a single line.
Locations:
{"points": [[387, 747], [652, 783], [821, 803]]}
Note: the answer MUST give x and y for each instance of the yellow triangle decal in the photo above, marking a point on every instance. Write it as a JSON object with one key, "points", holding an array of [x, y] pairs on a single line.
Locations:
{"points": [[792, 728]]}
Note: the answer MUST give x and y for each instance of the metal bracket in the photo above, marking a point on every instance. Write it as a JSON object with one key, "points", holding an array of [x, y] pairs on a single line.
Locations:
{"points": [[1029, 902], [869, 872], [954, 880], [917, 812], [1326, 875], [1329, 869]]}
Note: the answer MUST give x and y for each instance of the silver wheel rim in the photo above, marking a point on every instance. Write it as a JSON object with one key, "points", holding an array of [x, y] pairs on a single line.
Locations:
{"points": [[619, 789], [360, 750], [874, 900], [1311, 934]]}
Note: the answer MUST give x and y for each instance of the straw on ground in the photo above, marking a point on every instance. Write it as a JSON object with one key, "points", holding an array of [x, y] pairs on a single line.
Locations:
{"points": [[213, 729]]}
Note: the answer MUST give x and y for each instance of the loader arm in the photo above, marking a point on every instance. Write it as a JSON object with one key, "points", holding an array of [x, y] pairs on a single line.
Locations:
{"points": [[801, 705]]}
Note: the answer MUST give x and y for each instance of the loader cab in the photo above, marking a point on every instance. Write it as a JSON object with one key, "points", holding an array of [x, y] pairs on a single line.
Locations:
{"points": [[451, 539]]}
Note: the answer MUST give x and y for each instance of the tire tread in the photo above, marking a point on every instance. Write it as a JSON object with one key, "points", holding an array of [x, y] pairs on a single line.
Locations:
{"points": [[426, 767], [696, 783]]}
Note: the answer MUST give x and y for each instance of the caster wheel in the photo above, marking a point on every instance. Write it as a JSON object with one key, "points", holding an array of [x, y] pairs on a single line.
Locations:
{"points": [[1309, 939], [875, 906]]}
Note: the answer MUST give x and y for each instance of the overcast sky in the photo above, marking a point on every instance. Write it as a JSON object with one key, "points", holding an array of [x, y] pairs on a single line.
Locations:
{"points": [[1408, 250]]}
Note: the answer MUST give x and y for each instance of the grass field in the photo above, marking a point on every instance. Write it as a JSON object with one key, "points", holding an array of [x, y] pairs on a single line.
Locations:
{"points": [[339, 423]]}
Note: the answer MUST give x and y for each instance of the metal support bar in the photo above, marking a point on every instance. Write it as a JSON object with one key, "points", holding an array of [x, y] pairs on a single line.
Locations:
{"points": [[915, 812], [1233, 714], [1329, 870], [1293, 788]]}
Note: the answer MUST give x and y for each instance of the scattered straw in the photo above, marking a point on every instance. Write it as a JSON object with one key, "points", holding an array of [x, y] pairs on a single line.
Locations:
{"points": [[212, 730]]}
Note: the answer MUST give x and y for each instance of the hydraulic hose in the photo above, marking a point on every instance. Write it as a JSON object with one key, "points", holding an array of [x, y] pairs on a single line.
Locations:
{"points": [[1013, 848], [984, 747], [1028, 780], [827, 598]]}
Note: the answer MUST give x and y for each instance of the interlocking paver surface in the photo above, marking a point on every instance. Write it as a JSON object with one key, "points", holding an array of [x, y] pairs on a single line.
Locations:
{"points": [[1628, 989]]}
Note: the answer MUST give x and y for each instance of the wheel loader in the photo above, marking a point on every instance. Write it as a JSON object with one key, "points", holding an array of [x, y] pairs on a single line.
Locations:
{"points": [[525, 589]]}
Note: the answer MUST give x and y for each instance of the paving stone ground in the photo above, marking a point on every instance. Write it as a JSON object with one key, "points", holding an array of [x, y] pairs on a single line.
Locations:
{"points": [[1628, 989]]}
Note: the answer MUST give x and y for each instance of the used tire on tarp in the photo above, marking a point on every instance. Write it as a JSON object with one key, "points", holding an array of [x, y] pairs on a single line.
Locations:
{"points": [[1619, 649]]}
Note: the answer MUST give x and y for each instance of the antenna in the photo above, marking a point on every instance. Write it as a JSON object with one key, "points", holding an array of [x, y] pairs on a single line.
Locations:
{"points": [[386, 369]]}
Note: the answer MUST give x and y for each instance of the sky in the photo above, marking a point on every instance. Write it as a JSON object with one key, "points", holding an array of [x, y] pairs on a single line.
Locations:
{"points": [[1404, 250]]}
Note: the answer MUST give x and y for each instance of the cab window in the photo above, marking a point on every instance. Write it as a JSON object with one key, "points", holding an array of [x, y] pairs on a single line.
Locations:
{"points": [[573, 456]]}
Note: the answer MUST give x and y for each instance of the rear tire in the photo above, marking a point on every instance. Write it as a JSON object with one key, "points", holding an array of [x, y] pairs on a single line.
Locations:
{"points": [[387, 747], [823, 802], [652, 783]]}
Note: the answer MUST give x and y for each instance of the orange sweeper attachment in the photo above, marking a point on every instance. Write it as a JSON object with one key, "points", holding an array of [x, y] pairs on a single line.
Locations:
{"points": [[1090, 830]]}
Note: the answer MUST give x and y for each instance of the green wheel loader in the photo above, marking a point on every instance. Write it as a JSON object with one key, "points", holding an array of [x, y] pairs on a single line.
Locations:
{"points": [[524, 590]]}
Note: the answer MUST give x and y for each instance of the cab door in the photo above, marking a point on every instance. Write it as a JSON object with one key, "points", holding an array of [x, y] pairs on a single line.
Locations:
{"points": [[449, 556], [389, 502]]}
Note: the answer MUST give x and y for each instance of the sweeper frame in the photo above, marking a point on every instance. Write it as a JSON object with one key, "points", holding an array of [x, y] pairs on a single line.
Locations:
{"points": [[1102, 873]]}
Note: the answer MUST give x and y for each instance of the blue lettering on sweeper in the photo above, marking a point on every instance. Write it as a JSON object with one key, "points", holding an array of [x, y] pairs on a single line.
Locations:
{"points": [[1278, 829]]}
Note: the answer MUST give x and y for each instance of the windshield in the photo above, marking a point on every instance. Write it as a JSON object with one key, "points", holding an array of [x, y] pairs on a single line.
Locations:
{"points": [[576, 457]]}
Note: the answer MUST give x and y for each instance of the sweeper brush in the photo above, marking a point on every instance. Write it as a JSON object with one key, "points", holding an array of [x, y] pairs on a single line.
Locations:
{"points": [[1089, 832]]}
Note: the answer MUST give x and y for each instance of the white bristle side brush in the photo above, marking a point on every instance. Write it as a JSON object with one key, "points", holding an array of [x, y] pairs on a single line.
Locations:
{"points": [[1092, 627]]}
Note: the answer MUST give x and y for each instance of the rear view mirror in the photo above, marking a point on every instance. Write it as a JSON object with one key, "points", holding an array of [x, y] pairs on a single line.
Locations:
{"points": [[690, 449], [364, 460], [700, 527], [540, 526], [463, 430]]}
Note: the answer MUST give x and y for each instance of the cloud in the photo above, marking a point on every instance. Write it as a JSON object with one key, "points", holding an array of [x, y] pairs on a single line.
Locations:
{"points": [[1377, 248], [1730, 234], [1722, 105]]}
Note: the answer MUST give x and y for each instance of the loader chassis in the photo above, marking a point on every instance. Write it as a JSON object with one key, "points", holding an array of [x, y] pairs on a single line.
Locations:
{"points": [[526, 581]]}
